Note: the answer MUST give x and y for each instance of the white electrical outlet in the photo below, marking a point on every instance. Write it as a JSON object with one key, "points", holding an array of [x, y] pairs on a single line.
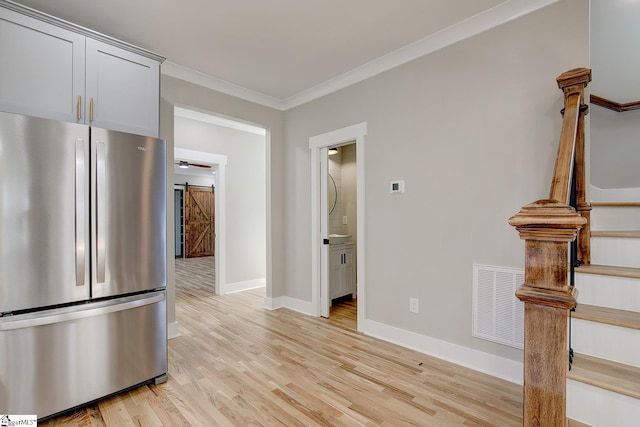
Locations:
{"points": [[414, 305]]}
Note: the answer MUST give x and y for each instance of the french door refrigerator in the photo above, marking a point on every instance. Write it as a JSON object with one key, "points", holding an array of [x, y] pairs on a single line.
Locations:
{"points": [[82, 263]]}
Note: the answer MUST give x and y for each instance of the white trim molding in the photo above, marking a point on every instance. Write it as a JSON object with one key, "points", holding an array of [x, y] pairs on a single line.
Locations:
{"points": [[357, 133], [490, 364], [614, 194], [490, 18], [173, 330], [230, 288], [172, 69], [304, 307]]}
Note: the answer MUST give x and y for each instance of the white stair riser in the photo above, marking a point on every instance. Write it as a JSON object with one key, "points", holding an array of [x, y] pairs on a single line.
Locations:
{"points": [[622, 293], [615, 218], [622, 252], [606, 341], [601, 408]]}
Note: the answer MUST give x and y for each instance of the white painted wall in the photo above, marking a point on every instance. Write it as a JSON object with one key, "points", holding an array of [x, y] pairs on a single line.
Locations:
{"points": [[615, 137], [615, 147], [205, 180], [342, 167], [348, 194], [473, 130], [245, 192], [334, 166]]}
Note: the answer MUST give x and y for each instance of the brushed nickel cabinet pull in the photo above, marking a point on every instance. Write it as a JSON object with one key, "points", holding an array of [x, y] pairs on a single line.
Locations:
{"points": [[91, 110], [79, 107]]}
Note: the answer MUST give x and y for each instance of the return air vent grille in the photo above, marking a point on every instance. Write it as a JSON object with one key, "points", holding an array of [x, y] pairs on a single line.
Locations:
{"points": [[497, 314]]}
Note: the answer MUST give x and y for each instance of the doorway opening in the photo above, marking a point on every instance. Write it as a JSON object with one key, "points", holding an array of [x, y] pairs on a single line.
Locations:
{"points": [[342, 226], [200, 226], [234, 156], [321, 240]]}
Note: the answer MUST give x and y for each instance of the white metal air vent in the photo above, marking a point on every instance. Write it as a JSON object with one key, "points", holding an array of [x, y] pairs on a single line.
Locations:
{"points": [[497, 314]]}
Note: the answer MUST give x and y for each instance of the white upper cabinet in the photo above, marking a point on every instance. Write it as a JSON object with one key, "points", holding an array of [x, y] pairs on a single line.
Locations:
{"points": [[41, 68], [122, 89], [76, 75]]}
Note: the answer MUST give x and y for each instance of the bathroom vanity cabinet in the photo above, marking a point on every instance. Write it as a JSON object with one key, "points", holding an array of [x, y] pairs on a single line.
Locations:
{"points": [[342, 280]]}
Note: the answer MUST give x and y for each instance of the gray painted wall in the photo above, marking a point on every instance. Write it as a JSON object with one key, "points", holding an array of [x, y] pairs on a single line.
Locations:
{"points": [[473, 130], [615, 137]]}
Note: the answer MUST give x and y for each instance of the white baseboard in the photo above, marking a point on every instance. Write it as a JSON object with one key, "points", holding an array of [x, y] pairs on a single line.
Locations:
{"points": [[244, 286], [304, 307], [294, 304], [490, 364], [173, 330], [273, 303]]}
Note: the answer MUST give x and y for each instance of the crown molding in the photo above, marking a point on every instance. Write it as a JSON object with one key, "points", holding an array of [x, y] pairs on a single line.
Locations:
{"points": [[490, 18], [50, 19], [172, 69], [217, 120]]}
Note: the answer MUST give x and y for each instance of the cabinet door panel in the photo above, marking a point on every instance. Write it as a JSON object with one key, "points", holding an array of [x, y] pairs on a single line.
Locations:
{"points": [[124, 88], [41, 68]]}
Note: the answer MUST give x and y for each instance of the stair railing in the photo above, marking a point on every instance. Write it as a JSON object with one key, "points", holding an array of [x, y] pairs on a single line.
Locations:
{"points": [[548, 227]]}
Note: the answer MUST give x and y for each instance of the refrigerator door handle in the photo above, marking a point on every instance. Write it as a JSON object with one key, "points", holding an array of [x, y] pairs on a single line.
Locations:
{"points": [[81, 220], [78, 312], [101, 211]]}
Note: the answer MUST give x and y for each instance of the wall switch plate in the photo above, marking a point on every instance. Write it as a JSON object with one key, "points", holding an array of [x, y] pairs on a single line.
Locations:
{"points": [[344, 220], [396, 186], [414, 305]]}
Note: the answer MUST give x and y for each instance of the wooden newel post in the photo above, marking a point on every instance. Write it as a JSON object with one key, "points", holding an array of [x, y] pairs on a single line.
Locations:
{"points": [[547, 226]]}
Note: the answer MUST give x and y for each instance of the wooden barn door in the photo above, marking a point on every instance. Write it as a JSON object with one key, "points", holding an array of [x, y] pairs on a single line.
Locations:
{"points": [[199, 221]]}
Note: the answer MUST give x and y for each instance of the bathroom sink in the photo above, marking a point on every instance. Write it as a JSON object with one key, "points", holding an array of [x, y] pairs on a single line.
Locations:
{"points": [[338, 239]]}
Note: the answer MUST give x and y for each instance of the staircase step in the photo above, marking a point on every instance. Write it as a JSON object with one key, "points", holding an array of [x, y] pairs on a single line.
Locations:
{"points": [[615, 216], [605, 341], [610, 316], [610, 270], [607, 250], [612, 376], [627, 234], [598, 407], [607, 286]]}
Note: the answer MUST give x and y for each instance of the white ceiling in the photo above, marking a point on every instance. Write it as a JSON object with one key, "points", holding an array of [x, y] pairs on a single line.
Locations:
{"points": [[283, 53]]}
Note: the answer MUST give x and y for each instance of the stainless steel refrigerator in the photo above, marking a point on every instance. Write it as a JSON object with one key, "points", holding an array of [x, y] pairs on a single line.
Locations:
{"points": [[82, 263]]}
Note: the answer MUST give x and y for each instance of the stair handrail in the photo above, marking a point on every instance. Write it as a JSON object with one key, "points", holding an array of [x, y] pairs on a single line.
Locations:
{"points": [[548, 226]]}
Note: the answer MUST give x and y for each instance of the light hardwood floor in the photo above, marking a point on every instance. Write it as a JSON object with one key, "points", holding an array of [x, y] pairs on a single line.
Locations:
{"points": [[237, 364]]}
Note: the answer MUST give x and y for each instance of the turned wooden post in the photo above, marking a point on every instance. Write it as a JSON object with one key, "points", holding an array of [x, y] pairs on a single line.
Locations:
{"points": [[575, 81], [547, 226]]}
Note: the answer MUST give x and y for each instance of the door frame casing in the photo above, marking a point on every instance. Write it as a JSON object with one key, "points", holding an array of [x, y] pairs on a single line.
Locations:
{"points": [[318, 144], [219, 163]]}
